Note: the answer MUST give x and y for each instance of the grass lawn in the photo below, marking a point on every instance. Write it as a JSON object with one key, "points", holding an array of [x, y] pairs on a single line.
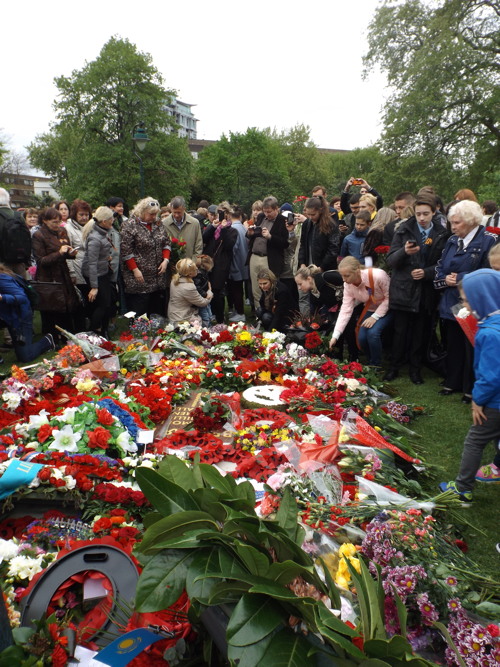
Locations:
{"points": [[443, 431]]}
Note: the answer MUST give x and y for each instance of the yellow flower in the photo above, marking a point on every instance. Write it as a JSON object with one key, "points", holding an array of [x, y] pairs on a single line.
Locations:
{"points": [[85, 385], [123, 371], [348, 549], [244, 337], [343, 435], [265, 376], [377, 428]]}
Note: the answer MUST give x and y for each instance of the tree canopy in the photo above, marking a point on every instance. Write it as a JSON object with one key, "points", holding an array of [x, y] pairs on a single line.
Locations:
{"points": [[89, 149], [243, 167], [442, 61]]}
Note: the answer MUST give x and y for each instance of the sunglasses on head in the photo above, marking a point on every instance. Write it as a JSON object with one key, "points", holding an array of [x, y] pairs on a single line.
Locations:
{"points": [[154, 203]]}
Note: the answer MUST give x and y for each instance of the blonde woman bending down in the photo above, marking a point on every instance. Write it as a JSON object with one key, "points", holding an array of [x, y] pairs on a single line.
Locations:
{"points": [[184, 297], [371, 287]]}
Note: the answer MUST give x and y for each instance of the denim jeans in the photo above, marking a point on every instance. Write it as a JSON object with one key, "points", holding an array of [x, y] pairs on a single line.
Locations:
{"points": [[371, 339], [29, 350]]}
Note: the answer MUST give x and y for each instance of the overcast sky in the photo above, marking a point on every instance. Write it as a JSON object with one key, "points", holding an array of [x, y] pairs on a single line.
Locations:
{"points": [[263, 63]]}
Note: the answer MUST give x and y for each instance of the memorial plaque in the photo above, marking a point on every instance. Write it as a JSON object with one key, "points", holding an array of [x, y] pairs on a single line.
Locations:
{"points": [[180, 416]]}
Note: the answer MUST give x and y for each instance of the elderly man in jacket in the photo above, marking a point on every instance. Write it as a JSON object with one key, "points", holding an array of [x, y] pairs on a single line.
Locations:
{"points": [[180, 225]]}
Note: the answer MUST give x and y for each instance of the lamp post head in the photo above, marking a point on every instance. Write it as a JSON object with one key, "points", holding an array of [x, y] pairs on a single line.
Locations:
{"points": [[140, 137]]}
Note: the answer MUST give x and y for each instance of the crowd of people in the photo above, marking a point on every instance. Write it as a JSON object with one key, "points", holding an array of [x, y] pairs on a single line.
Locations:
{"points": [[385, 282], [382, 280]]}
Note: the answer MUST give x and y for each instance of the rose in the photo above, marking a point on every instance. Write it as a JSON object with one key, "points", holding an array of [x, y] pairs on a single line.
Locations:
{"points": [[98, 438], [104, 417]]}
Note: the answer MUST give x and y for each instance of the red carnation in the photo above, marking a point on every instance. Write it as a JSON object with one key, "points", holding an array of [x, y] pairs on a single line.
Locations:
{"points": [[59, 656], [44, 432], [98, 438], [104, 417]]}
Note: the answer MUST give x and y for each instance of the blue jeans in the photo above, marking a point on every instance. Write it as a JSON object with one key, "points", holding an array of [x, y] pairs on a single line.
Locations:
{"points": [[205, 312], [371, 339], [29, 350]]}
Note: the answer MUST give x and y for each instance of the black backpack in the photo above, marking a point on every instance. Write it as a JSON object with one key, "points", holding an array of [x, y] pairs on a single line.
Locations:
{"points": [[15, 246]]}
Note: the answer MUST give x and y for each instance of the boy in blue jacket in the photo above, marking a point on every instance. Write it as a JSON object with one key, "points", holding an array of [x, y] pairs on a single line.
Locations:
{"points": [[480, 293], [353, 243]]}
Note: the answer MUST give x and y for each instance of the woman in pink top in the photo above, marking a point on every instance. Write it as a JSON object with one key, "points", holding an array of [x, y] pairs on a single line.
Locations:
{"points": [[371, 287]]}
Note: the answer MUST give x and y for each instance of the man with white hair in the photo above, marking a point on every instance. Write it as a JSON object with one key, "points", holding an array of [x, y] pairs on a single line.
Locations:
{"points": [[182, 226]]}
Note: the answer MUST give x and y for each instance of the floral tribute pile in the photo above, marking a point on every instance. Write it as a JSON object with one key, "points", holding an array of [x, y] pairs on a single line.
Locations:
{"points": [[93, 416]]}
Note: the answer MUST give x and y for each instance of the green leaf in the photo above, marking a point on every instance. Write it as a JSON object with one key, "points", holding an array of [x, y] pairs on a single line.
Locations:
{"points": [[333, 591], [199, 586], [276, 591], [340, 641], [489, 609], [213, 478], [256, 562], [253, 618], [331, 621], [230, 591], [285, 572], [245, 491], [286, 649], [286, 549], [189, 540], [177, 471], [167, 497], [402, 611], [395, 647], [230, 566], [286, 516], [174, 526], [248, 656], [162, 580], [151, 518], [208, 500]]}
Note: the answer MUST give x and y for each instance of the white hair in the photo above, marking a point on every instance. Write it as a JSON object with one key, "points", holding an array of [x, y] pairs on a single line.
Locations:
{"points": [[4, 197], [468, 211]]}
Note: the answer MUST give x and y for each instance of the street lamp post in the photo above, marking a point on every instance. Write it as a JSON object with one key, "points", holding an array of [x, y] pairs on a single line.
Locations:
{"points": [[140, 139]]}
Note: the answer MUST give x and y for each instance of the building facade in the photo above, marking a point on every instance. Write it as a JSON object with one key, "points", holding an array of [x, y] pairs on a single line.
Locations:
{"points": [[184, 117]]}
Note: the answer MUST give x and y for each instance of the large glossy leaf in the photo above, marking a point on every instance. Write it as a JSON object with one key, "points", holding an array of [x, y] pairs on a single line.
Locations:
{"points": [[208, 500], [151, 518], [165, 496], [189, 540], [332, 588], [248, 656], [276, 591], [230, 566], [199, 586], [245, 491], [255, 561], [212, 477], [177, 471], [395, 647], [162, 580], [174, 526], [285, 572], [286, 516], [228, 591], [287, 549], [286, 649], [328, 619], [339, 641], [253, 618]]}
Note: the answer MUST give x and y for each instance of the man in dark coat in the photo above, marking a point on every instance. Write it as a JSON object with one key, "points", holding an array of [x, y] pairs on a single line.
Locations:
{"points": [[416, 249]]}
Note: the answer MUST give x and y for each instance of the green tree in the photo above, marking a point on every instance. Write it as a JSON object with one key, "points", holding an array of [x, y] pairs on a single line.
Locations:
{"points": [[89, 149], [442, 61], [307, 166], [242, 168]]}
